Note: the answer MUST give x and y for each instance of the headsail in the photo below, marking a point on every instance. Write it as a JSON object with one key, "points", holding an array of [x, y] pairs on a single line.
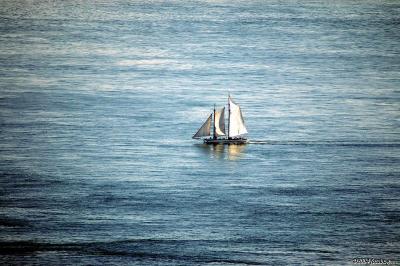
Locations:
{"points": [[204, 131], [236, 122], [220, 122]]}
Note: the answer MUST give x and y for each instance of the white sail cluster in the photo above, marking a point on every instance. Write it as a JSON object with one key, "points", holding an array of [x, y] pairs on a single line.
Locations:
{"points": [[236, 122], [236, 125], [220, 122]]}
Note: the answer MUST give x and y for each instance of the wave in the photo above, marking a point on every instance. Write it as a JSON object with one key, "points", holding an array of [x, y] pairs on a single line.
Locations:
{"points": [[13, 222], [150, 249]]}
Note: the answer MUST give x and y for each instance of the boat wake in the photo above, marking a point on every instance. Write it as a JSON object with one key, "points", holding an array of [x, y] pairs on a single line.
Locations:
{"points": [[326, 143]]}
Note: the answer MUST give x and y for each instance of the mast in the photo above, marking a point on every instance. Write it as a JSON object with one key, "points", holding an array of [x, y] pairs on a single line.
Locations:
{"points": [[229, 113], [214, 135]]}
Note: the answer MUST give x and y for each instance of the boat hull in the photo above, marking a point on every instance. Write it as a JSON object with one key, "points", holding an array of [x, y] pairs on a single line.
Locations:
{"points": [[226, 141]]}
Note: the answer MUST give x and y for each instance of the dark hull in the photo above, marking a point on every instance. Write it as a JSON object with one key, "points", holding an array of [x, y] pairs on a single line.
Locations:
{"points": [[226, 141]]}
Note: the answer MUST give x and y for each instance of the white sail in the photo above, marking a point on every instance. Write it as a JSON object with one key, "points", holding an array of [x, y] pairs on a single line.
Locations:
{"points": [[220, 122], [236, 122], [204, 130]]}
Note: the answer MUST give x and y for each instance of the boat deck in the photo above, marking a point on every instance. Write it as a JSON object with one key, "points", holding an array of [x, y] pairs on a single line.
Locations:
{"points": [[226, 141]]}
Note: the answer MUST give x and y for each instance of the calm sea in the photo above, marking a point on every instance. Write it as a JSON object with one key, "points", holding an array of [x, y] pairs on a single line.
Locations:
{"points": [[99, 100]]}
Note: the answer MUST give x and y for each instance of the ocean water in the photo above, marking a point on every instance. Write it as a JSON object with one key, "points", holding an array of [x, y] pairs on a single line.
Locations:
{"points": [[99, 100]]}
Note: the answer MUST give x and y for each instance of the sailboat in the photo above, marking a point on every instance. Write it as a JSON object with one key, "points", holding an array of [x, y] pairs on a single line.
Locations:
{"points": [[236, 128]]}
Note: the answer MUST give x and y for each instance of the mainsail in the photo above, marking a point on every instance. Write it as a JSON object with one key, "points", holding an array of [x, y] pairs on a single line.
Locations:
{"points": [[220, 122], [204, 131], [236, 122]]}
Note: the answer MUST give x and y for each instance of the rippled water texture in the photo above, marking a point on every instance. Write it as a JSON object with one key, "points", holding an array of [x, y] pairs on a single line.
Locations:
{"points": [[99, 100]]}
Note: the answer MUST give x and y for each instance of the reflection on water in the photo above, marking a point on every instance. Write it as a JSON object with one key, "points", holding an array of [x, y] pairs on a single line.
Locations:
{"points": [[221, 151], [235, 151]]}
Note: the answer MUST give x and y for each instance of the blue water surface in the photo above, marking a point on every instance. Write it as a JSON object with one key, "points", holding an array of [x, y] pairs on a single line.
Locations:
{"points": [[99, 100]]}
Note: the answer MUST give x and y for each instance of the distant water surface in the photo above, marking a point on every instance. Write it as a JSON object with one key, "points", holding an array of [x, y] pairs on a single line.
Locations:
{"points": [[99, 100]]}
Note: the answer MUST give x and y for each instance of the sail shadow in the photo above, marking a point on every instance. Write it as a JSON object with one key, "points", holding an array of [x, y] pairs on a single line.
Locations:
{"points": [[220, 151]]}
